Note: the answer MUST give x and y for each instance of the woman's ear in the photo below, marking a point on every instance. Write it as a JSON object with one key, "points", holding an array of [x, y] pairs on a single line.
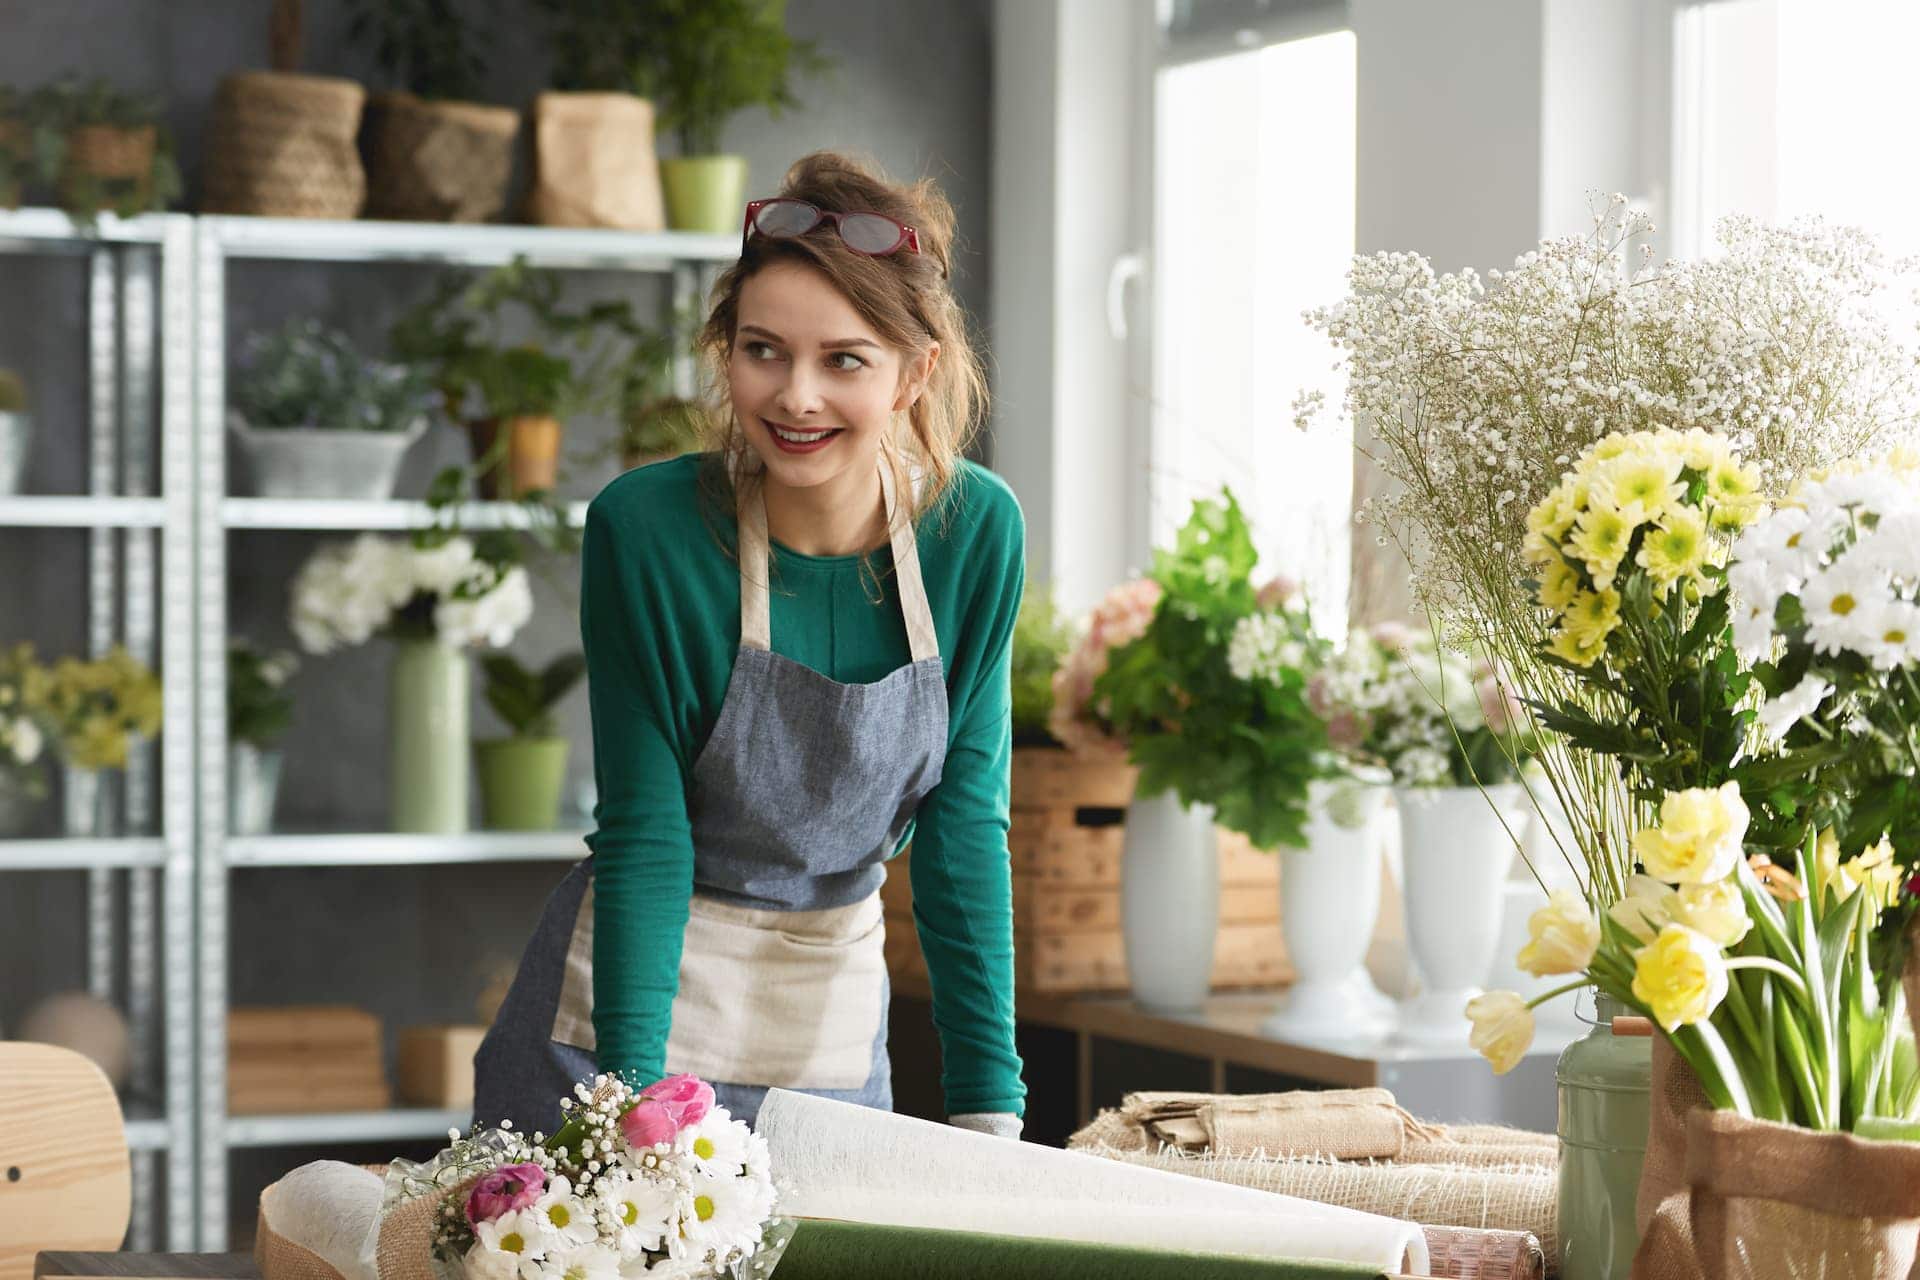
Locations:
{"points": [[917, 375]]}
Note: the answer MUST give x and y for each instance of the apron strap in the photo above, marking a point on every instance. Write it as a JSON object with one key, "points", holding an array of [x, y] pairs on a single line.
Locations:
{"points": [[756, 618]]}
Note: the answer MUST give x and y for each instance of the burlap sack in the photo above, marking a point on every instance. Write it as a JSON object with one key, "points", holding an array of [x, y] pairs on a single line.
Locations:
{"points": [[282, 145], [404, 1250], [1674, 1095], [593, 163], [438, 161], [1770, 1200], [1345, 1124]]}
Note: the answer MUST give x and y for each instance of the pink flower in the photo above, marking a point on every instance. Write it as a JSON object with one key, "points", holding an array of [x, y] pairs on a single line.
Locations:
{"points": [[1118, 620], [687, 1098], [506, 1189], [1395, 637], [1279, 589], [648, 1123]]}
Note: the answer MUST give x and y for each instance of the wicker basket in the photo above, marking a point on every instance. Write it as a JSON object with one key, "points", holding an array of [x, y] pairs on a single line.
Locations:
{"points": [[283, 145], [438, 161], [120, 159]]}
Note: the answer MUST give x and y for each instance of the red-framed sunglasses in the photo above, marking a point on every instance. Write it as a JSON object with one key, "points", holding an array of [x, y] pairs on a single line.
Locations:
{"points": [[874, 234]]}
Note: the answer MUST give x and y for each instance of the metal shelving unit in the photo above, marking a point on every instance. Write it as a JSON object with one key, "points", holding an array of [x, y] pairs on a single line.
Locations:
{"points": [[688, 260], [138, 518]]}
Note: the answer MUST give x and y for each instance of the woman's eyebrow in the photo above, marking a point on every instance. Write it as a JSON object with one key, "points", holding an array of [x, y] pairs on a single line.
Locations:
{"points": [[759, 332]]}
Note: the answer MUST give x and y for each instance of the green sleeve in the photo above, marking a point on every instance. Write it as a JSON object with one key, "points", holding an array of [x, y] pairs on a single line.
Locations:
{"points": [[962, 879], [643, 844]]}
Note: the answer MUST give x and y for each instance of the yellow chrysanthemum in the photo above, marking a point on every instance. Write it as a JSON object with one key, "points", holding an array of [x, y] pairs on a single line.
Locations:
{"points": [[1647, 479], [1675, 549], [1701, 450], [1601, 537], [1591, 616], [1581, 652], [1559, 583]]}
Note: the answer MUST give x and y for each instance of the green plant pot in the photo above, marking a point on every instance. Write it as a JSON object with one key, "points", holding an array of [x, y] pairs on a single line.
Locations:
{"points": [[705, 193], [520, 782], [429, 702]]}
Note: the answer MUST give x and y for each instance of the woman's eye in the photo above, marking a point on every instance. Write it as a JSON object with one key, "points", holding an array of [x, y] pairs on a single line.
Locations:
{"points": [[758, 351], [854, 361]]}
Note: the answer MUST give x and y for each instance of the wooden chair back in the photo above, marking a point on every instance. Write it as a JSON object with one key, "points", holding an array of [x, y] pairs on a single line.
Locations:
{"points": [[65, 1179]]}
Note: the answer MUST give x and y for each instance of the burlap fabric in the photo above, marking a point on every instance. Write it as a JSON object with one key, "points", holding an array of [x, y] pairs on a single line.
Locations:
{"points": [[594, 164], [1674, 1095], [1344, 1124], [283, 145], [438, 161], [403, 1250]]}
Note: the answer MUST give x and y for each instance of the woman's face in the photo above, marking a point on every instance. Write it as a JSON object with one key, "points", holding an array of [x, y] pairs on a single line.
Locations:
{"points": [[813, 385]]}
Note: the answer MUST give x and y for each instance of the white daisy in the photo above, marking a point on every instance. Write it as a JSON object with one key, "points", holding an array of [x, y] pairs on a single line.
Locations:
{"points": [[727, 1214], [581, 1262], [718, 1145], [1890, 634], [519, 1236], [643, 1210], [1839, 601], [1778, 715], [565, 1217]]}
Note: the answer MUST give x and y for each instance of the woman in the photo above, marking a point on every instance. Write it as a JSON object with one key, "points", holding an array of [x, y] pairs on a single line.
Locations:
{"points": [[798, 659]]}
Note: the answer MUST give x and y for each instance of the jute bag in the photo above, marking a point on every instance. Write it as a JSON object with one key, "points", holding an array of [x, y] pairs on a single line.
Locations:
{"points": [[593, 163], [314, 1222], [285, 145], [438, 161]]}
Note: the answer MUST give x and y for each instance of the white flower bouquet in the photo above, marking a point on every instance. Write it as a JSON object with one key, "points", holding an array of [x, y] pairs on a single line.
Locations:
{"points": [[661, 1182], [441, 588]]}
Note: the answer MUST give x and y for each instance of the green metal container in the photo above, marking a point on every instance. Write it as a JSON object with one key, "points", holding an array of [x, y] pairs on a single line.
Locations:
{"points": [[1603, 1081], [520, 781], [704, 193], [428, 708]]}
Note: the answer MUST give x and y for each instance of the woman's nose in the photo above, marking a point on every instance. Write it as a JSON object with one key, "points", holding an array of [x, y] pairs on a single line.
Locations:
{"points": [[800, 394]]}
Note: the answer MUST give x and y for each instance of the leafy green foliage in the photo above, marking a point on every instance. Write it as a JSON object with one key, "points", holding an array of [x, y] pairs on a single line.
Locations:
{"points": [[1041, 639], [526, 699], [259, 705], [307, 375], [37, 155], [427, 46], [13, 392], [1248, 748]]}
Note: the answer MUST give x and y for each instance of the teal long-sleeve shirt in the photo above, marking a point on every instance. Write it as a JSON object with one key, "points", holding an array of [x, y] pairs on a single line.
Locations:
{"points": [[660, 622]]}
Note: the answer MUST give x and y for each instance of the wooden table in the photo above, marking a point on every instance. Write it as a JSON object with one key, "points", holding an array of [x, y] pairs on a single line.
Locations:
{"points": [[147, 1266], [1447, 1084]]}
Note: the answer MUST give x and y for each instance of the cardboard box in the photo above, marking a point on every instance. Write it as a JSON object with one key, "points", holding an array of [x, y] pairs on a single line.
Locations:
{"points": [[435, 1065]]}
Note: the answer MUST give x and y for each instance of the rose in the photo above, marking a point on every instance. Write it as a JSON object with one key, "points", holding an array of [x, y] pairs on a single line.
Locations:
{"points": [[505, 1190], [1681, 977], [1563, 936], [648, 1123], [687, 1098], [1121, 618], [1502, 1028]]}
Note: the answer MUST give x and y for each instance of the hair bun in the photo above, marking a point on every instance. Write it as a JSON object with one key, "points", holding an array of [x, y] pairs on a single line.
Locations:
{"points": [[839, 182]]}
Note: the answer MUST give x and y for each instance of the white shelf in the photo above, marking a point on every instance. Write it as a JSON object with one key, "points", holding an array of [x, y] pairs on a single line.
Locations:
{"points": [[352, 514], [146, 1126], [323, 240], [382, 849], [345, 1126], [79, 511], [50, 230], [81, 854]]}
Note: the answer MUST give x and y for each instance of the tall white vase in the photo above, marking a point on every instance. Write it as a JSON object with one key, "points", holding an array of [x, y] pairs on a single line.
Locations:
{"points": [[1170, 902], [1455, 848], [1329, 901]]}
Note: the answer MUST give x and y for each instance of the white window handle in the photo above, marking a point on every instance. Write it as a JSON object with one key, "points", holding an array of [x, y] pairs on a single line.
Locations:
{"points": [[1126, 268]]}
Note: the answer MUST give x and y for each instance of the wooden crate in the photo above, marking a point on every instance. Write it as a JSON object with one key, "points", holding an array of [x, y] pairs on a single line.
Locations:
{"points": [[435, 1065]]}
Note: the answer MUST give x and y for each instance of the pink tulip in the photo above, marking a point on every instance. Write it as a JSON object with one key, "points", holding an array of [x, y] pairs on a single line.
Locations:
{"points": [[687, 1098], [506, 1189], [648, 1123]]}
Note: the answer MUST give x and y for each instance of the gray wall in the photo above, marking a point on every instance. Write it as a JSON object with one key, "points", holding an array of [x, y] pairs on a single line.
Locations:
{"points": [[912, 90]]}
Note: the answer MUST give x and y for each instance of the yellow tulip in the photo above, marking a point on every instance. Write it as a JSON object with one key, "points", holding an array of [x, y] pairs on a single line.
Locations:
{"points": [[1699, 837], [1502, 1028], [1681, 977], [1643, 911], [1563, 935], [1717, 910]]}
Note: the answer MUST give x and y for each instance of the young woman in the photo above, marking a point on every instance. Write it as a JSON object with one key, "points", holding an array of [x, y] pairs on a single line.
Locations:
{"points": [[798, 659]]}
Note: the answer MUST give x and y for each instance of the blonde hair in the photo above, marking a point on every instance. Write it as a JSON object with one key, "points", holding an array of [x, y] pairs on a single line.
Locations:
{"points": [[906, 297]]}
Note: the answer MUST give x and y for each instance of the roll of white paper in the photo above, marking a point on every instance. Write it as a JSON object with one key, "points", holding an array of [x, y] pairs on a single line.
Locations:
{"points": [[836, 1160]]}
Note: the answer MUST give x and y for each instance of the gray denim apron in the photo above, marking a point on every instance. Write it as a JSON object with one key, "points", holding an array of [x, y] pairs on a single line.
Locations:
{"points": [[801, 794]]}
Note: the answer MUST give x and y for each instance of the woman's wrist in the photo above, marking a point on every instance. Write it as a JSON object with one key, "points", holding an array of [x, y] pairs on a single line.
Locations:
{"points": [[1000, 1124]]}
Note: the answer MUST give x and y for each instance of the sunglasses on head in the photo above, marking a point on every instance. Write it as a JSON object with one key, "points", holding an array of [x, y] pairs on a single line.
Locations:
{"points": [[873, 234]]}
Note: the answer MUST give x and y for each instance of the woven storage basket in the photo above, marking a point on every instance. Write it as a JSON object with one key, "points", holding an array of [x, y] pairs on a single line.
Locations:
{"points": [[112, 155], [438, 161], [283, 145]]}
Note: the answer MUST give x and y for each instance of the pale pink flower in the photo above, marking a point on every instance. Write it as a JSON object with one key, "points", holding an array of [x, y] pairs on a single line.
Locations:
{"points": [[1121, 618], [1394, 637], [686, 1097], [505, 1190], [1279, 589], [1504, 712], [648, 1123]]}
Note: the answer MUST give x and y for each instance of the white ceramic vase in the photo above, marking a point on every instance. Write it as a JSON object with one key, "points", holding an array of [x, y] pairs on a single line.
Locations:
{"points": [[1456, 845], [1329, 901], [1170, 902]]}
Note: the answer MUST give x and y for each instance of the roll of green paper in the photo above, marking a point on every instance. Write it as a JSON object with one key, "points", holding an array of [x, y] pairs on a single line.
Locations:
{"points": [[827, 1250]]}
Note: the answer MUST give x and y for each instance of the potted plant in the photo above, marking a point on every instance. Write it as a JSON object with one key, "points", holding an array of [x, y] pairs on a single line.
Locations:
{"points": [[16, 431], [654, 423], [434, 154], [29, 147], [514, 397], [259, 711], [281, 144], [521, 774], [95, 711], [95, 147], [439, 595], [23, 780], [593, 149], [320, 420], [703, 61]]}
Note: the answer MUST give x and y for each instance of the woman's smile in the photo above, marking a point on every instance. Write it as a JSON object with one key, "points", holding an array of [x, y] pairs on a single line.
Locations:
{"points": [[800, 439]]}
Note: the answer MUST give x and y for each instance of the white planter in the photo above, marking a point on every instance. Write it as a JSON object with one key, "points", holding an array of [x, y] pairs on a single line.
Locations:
{"points": [[253, 785], [1170, 902], [1329, 902], [1455, 848], [16, 432], [314, 462]]}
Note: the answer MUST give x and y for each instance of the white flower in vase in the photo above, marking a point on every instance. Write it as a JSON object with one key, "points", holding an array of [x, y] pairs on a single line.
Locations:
{"points": [[22, 739], [442, 570], [491, 618]]}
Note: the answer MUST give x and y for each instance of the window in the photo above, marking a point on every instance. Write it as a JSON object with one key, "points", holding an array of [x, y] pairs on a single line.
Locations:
{"points": [[1253, 224]]}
